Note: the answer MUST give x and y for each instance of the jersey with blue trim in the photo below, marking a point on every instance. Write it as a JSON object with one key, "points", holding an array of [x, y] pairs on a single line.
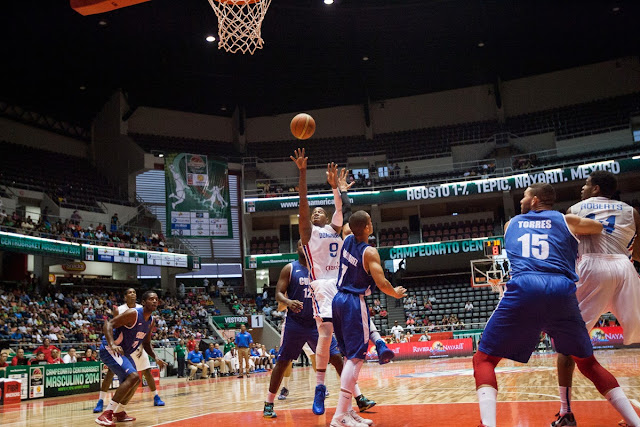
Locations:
{"points": [[131, 338], [619, 228], [298, 289], [352, 276], [323, 253], [541, 242]]}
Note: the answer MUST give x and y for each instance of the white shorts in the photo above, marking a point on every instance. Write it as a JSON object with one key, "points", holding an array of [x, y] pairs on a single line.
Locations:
{"points": [[610, 283], [322, 296], [141, 358]]}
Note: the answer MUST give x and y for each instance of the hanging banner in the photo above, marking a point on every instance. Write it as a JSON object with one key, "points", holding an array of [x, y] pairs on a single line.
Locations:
{"points": [[427, 349], [197, 197], [266, 261], [450, 190], [35, 245]]}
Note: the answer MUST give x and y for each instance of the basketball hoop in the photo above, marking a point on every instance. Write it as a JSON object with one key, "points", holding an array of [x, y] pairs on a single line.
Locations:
{"points": [[240, 23], [497, 286]]}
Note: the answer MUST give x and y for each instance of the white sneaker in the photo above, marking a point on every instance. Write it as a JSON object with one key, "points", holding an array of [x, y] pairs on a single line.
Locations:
{"points": [[352, 412], [346, 421]]}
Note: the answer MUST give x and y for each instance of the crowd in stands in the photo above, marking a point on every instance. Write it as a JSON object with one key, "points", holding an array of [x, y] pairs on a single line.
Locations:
{"points": [[70, 230]]}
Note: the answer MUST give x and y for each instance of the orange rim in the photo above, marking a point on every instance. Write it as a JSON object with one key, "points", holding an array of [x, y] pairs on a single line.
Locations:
{"points": [[238, 2]]}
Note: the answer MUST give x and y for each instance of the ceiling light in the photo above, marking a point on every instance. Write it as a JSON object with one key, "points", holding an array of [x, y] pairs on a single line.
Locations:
{"points": [[328, 1], [616, 9], [102, 23], [481, 44], [161, 155], [210, 39], [365, 58], [83, 87], [223, 108]]}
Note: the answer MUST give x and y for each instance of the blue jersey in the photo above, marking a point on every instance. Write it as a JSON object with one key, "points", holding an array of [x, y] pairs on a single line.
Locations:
{"points": [[541, 242], [298, 289], [130, 338], [352, 276]]}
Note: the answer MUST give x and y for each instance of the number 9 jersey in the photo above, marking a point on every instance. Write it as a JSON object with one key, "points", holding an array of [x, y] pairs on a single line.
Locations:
{"points": [[619, 228], [323, 253]]}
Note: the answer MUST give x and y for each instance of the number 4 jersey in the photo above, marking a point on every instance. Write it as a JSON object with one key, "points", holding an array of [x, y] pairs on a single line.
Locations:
{"points": [[619, 227], [541, 242]]}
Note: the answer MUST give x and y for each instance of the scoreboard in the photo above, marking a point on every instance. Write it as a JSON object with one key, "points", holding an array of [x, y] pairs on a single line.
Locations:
{"points": [[492, 248]]}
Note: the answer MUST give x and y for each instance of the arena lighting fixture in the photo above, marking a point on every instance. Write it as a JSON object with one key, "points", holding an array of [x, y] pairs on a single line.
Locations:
{"points": [[161, 155], [365, 58], [615, 9], [636, 157], [328, 1], [210, 39], [481, 44]]}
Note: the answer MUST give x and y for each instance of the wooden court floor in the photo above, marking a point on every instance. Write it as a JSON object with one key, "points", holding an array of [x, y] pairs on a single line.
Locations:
{"points": [[409, 393]]}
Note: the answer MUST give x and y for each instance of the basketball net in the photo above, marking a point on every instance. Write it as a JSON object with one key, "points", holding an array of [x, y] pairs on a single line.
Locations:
{"points": [[497, 286], [240, 23]]}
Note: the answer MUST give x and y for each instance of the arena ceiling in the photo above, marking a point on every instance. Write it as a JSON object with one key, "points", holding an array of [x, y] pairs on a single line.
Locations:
{"points": [[58, 62]]}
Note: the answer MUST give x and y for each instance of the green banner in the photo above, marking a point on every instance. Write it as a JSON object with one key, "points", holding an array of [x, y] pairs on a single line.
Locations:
{"points": [[266, 261], [37, 246], [434, 249], [56, 380], [197, 191], [450, 190], [226, 322]]}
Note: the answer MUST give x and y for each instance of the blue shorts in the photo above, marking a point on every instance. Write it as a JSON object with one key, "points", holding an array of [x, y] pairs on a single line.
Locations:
{"points": [[122, 366], [531, 304], [295, 335], [351, 324]]}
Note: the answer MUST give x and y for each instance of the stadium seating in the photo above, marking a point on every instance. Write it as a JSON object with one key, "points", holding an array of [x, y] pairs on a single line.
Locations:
{"points": [[264, 245]]}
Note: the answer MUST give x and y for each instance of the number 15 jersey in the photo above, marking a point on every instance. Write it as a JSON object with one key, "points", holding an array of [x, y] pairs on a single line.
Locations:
{"points": [[617, 220], [323, 253]]}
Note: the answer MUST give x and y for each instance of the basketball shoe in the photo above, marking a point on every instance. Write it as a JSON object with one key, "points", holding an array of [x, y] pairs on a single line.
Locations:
{"points": [[106, 419], [364, 403], [284, 392], [564, 420], [157, 401], [385, 354], [352, 412], [99, 406], [318, 400], [268, 411], [122, 417], [346, 421]]}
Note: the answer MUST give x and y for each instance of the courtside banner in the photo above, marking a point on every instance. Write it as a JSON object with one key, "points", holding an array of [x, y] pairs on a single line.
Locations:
{"points": [[461, 188], [72, 378], [197, 192], [427, 349], [607, 337]]}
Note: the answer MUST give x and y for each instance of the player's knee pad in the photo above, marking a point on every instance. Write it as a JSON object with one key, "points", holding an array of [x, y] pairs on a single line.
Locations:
{"points": [[484, 367], [599, 376]]}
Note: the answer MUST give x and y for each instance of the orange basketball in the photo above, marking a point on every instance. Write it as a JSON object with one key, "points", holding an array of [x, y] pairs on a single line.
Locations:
{"points": [[303, 126]]}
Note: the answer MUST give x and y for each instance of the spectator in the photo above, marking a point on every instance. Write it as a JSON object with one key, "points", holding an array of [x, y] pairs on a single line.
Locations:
{"points": [[397, 331], [3, 361], [229, 345], [195, 361], [407, 172], [468, 306], [46, 348], [179, 353], [424, 337], [70, 357], [191, 344], [383, 313], [114, 223], [428, 306], [75, 218], [432, 299], [39, 360], [55, 357], [19, 359], [89, 356]]}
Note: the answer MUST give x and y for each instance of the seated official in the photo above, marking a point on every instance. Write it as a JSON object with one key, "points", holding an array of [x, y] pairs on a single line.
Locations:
{"points": [[231, 359], [195, 361], [215, 359]]}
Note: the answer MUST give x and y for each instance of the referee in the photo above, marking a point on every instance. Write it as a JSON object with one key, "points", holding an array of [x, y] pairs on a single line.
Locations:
{"points": [[243, 340]]}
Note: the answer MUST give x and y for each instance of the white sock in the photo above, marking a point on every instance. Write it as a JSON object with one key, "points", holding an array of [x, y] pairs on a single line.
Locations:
{"points": [[565, 399], [320, 376], [619, 400], [344, 403], [374, 335], [356, 390], [103, 395], [155, 392], [118, 408], [112, 406], [271, 397], [487, 397], [121, 408], [348, 380]]}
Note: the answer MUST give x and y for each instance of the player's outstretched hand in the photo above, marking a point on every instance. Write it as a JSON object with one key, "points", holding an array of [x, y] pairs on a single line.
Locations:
{"points": [[295, 305], [332, 174], [343, 186], [161, 364], [117, 350], [300, 160], [400, 292]]}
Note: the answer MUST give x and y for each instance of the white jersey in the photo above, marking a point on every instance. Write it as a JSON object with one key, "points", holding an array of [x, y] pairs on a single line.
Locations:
{"points": [[323, 253], [124, 307], [619, 227]]}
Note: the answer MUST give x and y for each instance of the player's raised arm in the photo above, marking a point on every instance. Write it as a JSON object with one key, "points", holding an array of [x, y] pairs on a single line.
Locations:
{"points": [[344, 187], [372, 264], [281, 289], [304, 216], [635, 255], [332, 179], [128, 318], [579, 225]]}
